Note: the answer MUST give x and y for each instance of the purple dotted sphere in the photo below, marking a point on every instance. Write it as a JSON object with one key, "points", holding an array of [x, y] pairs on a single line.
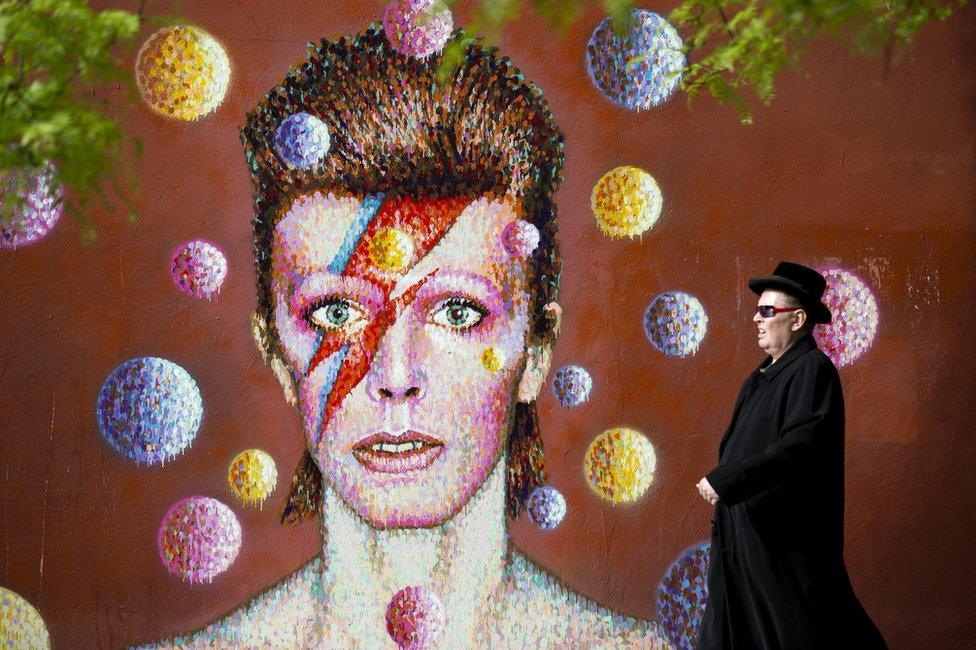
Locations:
{"points": [[546, 507], [198, 268], [682, 596], [520, 238], [415, 617], [854, 311], [675, 323], [302, 140], [572, 385], [417, 28], [149, 410], [42, 202], [198, 539], [639, 68]]}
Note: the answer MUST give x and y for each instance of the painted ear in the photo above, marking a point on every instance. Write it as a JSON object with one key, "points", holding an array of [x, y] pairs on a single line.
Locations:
{"points": [[259, 330], [539, 358]]}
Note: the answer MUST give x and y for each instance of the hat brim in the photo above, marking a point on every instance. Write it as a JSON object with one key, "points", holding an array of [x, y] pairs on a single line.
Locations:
{"points": [[819, 312]]}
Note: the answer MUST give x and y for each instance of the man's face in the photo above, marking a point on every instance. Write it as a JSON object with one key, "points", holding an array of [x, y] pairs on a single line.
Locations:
{"points": [[405, 329], [777, 332]]}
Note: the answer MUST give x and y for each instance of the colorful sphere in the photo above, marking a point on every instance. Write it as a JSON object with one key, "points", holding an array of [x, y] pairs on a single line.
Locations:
{"points": [[682, 596], [855, 317], [21, 626], [675, 323], [182, 72], [492, 359], [572, 385], [199, 538], [520, 238], [415, 617], [252, 475], [302, 140], [149, 410], [417, 28], [619, 465], [626, 202], [639, 68], [42, 202], [390, 249], [198, 268], [546, 507]]}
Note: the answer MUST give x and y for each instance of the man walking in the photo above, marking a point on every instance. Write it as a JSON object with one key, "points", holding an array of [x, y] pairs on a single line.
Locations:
{"points": [[777, 578]]}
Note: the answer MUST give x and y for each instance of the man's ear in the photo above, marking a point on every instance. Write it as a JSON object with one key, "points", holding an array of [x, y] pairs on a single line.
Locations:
{"points": [[259, 329], [539, 359]]}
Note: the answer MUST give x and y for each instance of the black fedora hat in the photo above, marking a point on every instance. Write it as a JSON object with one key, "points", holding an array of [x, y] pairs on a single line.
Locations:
{"points": [[801, 282]]}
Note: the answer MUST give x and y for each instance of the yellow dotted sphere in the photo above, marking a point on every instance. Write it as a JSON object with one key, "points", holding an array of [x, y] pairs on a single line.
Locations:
{"points": [[182, 72], [626, 202], [492, 359], [252, 475], [620, 465], [20, 624], [390, 249]]}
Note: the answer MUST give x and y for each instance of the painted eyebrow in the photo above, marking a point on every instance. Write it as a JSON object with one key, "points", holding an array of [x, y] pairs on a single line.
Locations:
{"points": [[309, 288]]}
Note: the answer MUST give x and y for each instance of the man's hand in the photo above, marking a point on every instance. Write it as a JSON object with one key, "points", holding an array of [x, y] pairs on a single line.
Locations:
{"points": [[706, 491]]}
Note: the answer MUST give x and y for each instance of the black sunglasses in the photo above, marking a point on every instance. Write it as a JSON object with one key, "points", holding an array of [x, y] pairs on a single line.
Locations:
{"points": [[768, 311]]}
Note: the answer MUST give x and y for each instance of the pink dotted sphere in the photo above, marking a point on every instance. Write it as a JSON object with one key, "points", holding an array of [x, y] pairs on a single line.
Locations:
{"points": [[42, 202], [520, 238], [415, 617], [199, 538], [855, 317], [546, 507], [417, 28], [198, 268], [572, 385]]}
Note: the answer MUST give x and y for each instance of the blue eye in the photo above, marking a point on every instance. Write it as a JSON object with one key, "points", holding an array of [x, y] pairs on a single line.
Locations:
{"points": [[335, 314], [458, 314]]}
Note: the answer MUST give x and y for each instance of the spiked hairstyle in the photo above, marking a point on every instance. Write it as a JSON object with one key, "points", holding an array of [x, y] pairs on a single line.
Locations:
{"points": [[396, 130]]}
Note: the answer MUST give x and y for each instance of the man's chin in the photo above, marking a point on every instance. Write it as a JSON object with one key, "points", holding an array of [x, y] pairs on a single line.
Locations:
{"points": [[416, 506]]}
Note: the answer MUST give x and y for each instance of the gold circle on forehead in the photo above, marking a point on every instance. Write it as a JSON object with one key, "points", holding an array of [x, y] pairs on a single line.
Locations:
{"points": [[391, 249], [620, 465]]}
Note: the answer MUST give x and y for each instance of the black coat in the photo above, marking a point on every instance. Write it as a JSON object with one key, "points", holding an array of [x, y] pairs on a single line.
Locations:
{"points": [[776, 577]]}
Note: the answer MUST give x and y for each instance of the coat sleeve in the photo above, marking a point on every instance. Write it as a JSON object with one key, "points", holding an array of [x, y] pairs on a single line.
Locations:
{"points": [[809, 424]]}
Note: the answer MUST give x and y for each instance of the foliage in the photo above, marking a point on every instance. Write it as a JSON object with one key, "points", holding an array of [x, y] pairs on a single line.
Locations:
{"points": [[737, 46], [54, 55]]}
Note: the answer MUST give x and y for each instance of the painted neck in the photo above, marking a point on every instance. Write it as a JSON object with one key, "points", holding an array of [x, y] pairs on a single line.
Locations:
{"points": [[461, 560]]}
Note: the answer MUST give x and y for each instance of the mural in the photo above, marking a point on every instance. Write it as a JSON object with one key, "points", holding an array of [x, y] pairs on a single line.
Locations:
{"points": [[408, 249]]}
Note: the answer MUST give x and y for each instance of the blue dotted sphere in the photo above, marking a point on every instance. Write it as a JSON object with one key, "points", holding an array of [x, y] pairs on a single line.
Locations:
{"points": [[149, 410], [302, 140], [639, 68], [682, 596], [546, 507], [572, 385], [675, 323]]}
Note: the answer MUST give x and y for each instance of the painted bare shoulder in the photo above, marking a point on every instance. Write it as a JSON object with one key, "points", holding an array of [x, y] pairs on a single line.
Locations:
{"points": [[283, 616], [540, 611]]}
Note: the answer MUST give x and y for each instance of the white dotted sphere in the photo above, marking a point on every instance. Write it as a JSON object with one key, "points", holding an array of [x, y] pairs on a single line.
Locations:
{"points": [[546, 507], [640, 68], [520, 238], [302, 140], [199, 538], [415, 617], [199, 269], [42, 202], [855, 317], [149, 410], [675, 323], [417, 28], [572, 385]]}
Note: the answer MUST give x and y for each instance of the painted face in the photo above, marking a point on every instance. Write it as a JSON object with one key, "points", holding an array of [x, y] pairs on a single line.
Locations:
{"points": [[404, 324], [775, 333]]}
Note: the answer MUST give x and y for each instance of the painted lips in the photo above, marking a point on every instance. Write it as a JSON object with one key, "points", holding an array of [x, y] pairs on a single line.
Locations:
{"points": [[406, 452]]}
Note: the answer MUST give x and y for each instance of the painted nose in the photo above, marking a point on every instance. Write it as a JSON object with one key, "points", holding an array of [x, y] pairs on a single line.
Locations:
{"points": [[394, 375]]}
